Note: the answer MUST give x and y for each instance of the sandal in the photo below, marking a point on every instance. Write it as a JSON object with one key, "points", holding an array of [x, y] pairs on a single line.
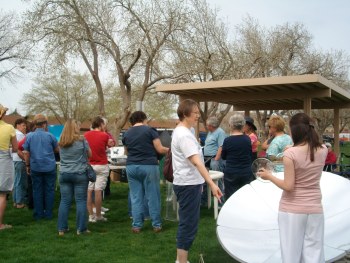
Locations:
{"points": [[20, 206], [4, 226]]}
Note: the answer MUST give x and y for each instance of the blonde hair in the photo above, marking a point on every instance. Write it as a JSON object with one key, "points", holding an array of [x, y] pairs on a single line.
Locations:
{"points": [[69, 134], [277, 122]]}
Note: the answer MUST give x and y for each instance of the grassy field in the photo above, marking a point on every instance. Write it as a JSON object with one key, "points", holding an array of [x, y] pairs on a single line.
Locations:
{"points": [[112, 241]]}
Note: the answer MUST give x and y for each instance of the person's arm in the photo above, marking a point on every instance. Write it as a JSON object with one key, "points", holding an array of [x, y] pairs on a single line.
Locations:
{"points": [[197, 162], [20, 154], [159, 147], [27, 160], [288, 182], [14, 144], [218, 154], [89, 153]]}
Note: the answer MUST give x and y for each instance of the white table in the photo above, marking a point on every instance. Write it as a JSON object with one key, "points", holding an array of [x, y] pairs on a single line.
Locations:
{"points": [[215, 176]]}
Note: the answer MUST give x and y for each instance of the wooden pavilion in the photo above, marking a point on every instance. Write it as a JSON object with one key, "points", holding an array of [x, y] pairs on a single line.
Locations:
{"points": [[273, 93]]}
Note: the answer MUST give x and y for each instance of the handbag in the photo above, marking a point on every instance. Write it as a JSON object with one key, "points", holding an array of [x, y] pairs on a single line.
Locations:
{"points": [[90, 172]]}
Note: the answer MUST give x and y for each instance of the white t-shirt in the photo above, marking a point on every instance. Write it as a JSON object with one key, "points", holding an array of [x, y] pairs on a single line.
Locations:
{"points": [[183, 145], [19, 136]]}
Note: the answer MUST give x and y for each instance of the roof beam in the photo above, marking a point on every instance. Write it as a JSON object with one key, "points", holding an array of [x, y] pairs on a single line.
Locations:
{"points": [[232, 96]]}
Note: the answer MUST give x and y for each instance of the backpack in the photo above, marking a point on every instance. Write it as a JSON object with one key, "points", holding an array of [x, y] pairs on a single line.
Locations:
{"points": [[168, 167]]}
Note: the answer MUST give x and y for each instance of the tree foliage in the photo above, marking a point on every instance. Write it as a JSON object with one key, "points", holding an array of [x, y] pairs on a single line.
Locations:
{"points": [[63, 95], [14, 49]]}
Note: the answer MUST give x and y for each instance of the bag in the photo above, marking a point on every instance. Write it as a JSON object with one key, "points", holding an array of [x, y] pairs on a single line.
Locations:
{"points": [[168, 167], [90, 172]]}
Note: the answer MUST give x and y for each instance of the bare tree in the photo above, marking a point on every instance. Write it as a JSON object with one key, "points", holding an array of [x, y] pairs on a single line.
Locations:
{"points": [[64, 31], [203, 53], [14, 50], [64, 95], [286, 50], [130, 37]]}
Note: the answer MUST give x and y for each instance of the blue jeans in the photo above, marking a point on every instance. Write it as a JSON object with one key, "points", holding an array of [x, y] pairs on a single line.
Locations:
{"points": [[189, 199], [43, 193], [73, 184], [145, 209], [20, 185], [144, 183]]}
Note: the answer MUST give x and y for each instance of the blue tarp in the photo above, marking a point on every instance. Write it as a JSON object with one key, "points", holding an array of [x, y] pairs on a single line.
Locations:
{"points": [[56, 130]]}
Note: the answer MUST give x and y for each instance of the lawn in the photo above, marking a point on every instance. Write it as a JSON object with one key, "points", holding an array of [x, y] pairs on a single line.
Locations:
{"points": [[112, 241]]}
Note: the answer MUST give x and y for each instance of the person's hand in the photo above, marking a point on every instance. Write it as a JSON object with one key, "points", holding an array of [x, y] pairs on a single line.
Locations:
{"points": [[110, 143], [216, 191], [28, 170], [264, 174]]}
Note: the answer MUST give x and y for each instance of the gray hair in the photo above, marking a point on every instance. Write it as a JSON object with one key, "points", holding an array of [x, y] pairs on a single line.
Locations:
{"points": [[213, 121], [236, 121]]}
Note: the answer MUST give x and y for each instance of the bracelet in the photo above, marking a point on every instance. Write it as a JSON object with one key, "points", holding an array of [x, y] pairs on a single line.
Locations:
{"points": [[27, 165]]}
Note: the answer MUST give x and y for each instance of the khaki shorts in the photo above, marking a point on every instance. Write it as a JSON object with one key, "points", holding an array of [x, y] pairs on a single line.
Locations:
{"points": [[102, 172]]}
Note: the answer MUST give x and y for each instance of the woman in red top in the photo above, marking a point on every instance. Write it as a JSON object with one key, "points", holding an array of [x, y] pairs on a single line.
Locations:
{"points": [[331, 159]]}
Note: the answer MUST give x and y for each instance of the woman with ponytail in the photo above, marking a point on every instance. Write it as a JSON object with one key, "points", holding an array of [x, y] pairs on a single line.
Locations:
{"points": [[300, 218]]}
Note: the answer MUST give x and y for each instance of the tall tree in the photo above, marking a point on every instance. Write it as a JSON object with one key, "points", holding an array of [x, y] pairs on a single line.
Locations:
{"points": [[287, 50], [203, 53], [64, 95], [131, 37], [14, 49]]}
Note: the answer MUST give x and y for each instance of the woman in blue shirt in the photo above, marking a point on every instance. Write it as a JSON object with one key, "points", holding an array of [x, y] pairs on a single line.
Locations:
{"points": [[74, 153], [142, 144]]}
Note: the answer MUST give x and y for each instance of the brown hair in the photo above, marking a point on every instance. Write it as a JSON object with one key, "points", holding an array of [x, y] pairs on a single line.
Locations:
{"points": [[303, 131], [69, 134], [185, 108]]}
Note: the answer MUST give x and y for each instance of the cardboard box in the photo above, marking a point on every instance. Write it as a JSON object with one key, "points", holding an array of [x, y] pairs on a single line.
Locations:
{"points": [[115, 175]]}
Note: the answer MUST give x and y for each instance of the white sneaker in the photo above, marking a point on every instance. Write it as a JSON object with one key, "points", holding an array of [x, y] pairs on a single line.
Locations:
{"points": [[94, 211], [104, 209], [101, 219], [92, 219]]}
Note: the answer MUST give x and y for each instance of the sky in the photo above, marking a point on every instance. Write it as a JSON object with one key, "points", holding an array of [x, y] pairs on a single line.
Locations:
{"points": [[327, 21]]}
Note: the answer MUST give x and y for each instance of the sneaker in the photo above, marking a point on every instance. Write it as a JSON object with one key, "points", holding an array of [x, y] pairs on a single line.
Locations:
{"points": [[4, 226], [87, 231], [157, 229], [92, 219], [101, 219], [104, 209], [136, 230], [62, 232], [94, 211]]}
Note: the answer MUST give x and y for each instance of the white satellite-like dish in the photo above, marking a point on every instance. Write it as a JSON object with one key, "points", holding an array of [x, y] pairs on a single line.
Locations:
{"points": [[247, 226]]}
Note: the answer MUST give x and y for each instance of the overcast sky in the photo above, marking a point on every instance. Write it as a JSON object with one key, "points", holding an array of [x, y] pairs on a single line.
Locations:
{"points": [[328, 21]]}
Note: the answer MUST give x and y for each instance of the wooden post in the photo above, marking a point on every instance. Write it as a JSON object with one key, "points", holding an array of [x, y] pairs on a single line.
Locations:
{"points": [[307, 105], [336, 124]]}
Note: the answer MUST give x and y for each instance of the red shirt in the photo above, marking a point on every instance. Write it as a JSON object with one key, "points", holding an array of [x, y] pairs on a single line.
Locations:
{"points": [[20, 144], [331, 158], [98, 142]]}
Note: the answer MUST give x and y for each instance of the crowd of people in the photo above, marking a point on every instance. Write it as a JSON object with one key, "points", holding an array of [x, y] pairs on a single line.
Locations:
{"points": [[29, 170]]}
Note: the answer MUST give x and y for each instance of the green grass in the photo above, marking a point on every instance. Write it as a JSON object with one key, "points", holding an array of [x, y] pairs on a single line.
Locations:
{"points": [[112, 241]]}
